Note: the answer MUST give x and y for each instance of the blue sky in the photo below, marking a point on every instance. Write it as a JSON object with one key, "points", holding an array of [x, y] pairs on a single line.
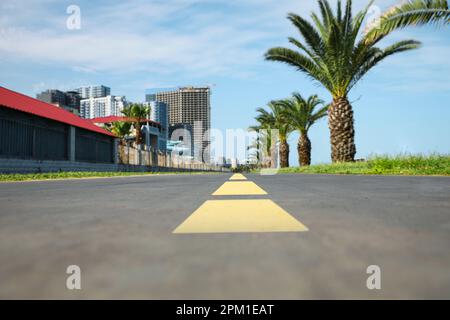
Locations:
{"points": [[401, 106]]}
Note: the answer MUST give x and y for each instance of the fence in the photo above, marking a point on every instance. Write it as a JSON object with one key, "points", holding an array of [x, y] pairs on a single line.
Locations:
{"points": [[144, 156], [93, 147], [25, 136]]}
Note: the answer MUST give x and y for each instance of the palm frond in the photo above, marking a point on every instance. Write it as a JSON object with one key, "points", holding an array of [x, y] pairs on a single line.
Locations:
{"points": [[410, 13]]}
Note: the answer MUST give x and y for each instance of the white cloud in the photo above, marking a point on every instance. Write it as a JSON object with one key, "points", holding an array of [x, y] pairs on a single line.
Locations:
{"points": [[202, 37], [129, 36]]}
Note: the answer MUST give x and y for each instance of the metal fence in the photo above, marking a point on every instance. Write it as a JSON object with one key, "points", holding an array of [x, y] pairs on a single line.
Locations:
{"points": [[93, 147], [144, 156], [24, 136]]}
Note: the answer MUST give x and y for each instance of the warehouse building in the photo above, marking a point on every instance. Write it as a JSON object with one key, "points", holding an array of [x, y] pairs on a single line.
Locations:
{"points": [[37, 131]]}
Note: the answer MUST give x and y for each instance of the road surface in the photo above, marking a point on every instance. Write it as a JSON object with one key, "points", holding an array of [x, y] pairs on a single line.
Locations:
{"points": [[282, 237]]}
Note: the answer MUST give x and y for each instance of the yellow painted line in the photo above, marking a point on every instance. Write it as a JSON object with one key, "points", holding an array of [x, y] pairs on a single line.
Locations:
{"points": [[230, 188], [234, 216], [238, 176]]}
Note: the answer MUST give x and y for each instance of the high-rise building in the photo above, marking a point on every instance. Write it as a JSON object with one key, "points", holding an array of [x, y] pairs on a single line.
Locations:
{"points": [[190, 105], [158, 111], [87, 92], [69, 100], [102, 107], [73, 99]]}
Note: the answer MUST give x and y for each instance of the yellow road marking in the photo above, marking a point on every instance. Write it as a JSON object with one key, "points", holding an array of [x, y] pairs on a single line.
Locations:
{"points": [[232, 216], [238, 176], [239, 188]]}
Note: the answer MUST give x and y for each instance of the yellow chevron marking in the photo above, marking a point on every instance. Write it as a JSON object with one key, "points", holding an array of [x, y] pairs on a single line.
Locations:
{"points": [[233, 216], [238, 176], [230, 188]]}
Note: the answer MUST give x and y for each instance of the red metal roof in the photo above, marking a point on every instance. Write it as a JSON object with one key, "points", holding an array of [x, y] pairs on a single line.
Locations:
{"points": [[111, 119], [21, 102]]}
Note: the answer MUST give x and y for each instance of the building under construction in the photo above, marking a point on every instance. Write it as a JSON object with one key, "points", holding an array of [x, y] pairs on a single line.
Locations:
{"points": [[191, 106]]}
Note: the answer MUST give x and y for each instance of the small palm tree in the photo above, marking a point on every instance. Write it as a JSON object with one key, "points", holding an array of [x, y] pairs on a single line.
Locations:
{"points": [[121, 129], [137, 113], [333, 55], [263, 145], [410, 13], [302, 114], [277, 119]]}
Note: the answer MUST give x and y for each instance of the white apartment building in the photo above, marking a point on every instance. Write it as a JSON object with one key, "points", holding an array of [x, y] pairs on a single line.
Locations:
{"points": [[102, 107]]}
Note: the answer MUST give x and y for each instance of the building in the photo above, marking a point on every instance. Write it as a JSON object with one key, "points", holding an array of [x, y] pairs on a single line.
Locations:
{"points": [[181, 139], [69, 100], [87, 92], [158, 113], [152, 132], [189, 105], [158, 110], [102, 107], [73, 100], [35, 131]]}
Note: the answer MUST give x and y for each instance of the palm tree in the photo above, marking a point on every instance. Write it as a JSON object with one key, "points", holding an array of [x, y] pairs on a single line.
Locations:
{"points": [[137, 113], [121, 129], [333, 55], [263, 145], [302, 114], [410, 13], [277, 119]]}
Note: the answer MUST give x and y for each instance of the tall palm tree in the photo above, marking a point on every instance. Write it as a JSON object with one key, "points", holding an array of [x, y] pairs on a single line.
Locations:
{"points": [[410, 13], [333, 55], [277, 119], [302, 114], [138, 114]]}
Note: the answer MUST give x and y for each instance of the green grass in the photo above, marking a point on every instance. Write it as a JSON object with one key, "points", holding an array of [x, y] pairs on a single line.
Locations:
{"points": [[75, 175], [384, 165]]}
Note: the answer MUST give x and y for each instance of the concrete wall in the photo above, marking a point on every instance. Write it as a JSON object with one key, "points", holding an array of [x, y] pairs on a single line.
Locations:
{"points": [[35, 166]]}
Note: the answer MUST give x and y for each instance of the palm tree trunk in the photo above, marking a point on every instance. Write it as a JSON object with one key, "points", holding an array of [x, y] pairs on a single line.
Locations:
{"points": [[273, 156], [138, 134], [284, 154], [342, 132], [304, 150]]}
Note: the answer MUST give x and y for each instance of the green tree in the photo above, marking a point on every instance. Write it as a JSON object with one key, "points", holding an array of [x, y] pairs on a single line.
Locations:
{"points": [[263, 145], [137, 113], [410, 13], [121, 129], [334, 55], [277, 119], [303, 114]]}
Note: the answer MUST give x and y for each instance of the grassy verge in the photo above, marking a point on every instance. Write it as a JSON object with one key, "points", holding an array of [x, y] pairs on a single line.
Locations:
{"points": [[75, 175], [384, 165]]}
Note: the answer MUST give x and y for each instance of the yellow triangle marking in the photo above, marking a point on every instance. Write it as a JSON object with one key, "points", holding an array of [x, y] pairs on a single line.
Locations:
{"points": [[230, 188], [238, 176], [236, 216]]}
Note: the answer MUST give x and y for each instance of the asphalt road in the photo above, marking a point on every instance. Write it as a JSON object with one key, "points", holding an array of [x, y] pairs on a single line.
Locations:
{"points": [[120, 232]]}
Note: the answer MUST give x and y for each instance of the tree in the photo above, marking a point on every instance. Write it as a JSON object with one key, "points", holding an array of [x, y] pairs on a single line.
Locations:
{"points": [[137, 113], [276, 118], [410, 13], [121, 129], [333, 55], [302, 115], [263, 145]]}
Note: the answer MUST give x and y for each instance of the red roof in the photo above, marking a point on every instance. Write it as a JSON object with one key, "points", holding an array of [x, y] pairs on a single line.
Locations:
{"points": [[18, 101], [111, 119]]}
